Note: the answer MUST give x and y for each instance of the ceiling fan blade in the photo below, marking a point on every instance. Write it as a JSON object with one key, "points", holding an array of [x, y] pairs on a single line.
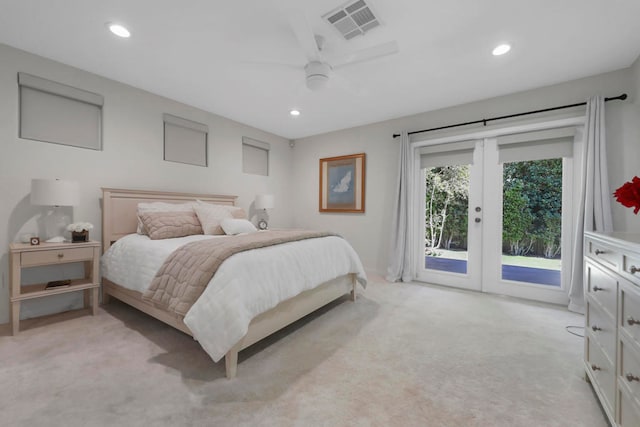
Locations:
{"points": [[304, 33], [362, 55]]}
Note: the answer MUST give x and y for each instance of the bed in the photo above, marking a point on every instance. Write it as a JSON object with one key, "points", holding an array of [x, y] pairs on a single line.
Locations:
{"points": [[119, 225]]}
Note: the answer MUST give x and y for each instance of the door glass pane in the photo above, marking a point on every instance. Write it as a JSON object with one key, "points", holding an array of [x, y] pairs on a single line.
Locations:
{"points": [[446, 218], [532, 221]]}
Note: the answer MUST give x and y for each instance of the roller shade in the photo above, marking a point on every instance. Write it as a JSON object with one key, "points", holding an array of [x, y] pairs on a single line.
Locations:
{"points": [[451, 154], [185, 141], [255, 156], [538, 145], [57, 113]]}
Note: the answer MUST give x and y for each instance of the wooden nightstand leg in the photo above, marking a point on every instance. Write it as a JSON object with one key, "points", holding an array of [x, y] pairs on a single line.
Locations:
{"points": [[85, 298], [15, 317], [94, 300]]}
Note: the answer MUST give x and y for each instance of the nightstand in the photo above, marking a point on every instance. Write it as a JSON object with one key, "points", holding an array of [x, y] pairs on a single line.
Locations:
{"points": [[23, 255]]}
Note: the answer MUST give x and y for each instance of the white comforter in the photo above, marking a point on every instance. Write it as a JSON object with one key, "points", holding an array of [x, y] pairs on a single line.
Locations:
{"points": [[246, 284]]}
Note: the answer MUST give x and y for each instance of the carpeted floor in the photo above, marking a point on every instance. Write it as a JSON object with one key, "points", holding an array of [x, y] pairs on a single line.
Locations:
{"points": [[401, 355]]}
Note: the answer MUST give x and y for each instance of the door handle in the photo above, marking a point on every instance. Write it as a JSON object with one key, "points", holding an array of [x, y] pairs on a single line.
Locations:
{"points": [[478, 220]]}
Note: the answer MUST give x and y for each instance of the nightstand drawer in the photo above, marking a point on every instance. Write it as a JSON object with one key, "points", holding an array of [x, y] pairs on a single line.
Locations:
{"points": [[55, 256]]}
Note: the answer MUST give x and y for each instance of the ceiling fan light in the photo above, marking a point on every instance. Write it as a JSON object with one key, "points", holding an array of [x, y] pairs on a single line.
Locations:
{"points": [[317, 81], [317, 74]]}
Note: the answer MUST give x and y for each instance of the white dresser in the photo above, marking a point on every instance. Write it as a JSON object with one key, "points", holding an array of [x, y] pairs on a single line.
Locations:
{"points": [[612, 323]]}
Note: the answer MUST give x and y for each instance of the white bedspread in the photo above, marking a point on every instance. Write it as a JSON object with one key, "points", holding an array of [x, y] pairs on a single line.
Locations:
{"points": [[246, 284]]}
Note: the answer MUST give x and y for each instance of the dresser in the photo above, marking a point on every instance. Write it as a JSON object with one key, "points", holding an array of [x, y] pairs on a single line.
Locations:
{"points": [[612, 323]]}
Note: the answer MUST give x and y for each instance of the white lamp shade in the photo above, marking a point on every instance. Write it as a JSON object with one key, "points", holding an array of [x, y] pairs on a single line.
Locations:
{"points": [[264, 201], [54, 192]]}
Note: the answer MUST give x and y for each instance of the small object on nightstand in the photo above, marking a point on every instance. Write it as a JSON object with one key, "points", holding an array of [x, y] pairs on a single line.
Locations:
{"points": [[58, 284], [35, 241], [262, 224]]}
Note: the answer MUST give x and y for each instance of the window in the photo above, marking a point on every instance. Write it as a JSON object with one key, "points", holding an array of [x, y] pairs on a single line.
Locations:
{"points": [[255, 156], [60, 114], [185, 141]]}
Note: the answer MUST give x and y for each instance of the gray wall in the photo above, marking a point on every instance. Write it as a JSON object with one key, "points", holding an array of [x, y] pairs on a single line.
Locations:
{"points": [[369, 232], [131, 158]]}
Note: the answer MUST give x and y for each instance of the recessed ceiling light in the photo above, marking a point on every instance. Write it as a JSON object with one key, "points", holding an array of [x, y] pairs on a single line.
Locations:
{"points": [[119, 30], [294, 112], [501, 49]]}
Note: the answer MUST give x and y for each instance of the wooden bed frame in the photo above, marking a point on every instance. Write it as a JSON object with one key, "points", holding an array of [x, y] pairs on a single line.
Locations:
{"points": [[119, 218]]}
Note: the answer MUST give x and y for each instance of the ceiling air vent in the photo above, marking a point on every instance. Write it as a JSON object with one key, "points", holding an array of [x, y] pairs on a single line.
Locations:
{"points": [[352, 19]]}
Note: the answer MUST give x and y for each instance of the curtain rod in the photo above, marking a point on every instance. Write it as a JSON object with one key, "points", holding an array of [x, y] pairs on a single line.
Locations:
{"points": [[484, 121]]}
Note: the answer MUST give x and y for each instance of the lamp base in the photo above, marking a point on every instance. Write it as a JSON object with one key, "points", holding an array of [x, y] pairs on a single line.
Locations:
{"points": [[56, 224], [56, 239]]}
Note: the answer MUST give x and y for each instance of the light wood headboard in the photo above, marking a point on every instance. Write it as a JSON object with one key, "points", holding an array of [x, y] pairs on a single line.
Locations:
{"points": [[119, 209]]}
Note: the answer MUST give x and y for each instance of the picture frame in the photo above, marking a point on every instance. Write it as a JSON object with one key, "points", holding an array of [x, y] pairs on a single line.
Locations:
{"points": [[342, 183]]}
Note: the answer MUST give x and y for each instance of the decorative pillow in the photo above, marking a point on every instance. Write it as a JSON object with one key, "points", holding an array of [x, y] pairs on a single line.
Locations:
{"points": [[210, 217], [161, 207], [236, 226], [166, 225]]}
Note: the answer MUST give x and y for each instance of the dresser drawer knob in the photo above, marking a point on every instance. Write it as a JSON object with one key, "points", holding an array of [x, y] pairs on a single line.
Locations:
{"points": [[61, 255], [634, 269], [595, 368], [599, 252], [631, 321], [597, 288], [595, 328], [631, 378]]}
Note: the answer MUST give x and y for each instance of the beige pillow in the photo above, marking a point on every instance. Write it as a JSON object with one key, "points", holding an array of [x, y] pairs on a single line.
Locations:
{"points": [[211, 215], [161, 207], [167, 225]]}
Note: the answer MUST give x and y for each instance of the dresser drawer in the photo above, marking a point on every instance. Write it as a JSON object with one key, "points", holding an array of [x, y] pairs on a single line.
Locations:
{"points": [[629, 412], [631, 266], [602, 286], [630, 368], [602, 330], [55, 256], [603, 254], [630, 309], [603, 373]]}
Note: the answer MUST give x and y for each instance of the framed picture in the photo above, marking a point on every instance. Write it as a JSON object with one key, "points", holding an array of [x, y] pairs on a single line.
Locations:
{"points": [[342, 183]]}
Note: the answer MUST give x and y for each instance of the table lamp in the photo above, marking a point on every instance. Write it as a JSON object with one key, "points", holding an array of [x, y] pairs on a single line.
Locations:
{"points": [[55, 193]]}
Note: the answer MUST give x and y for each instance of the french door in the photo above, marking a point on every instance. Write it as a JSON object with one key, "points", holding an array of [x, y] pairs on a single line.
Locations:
{"points": [[495, 214]]}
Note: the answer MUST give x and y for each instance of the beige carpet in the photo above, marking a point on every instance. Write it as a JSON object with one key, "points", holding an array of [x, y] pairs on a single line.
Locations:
{"points": [[402, 355]]}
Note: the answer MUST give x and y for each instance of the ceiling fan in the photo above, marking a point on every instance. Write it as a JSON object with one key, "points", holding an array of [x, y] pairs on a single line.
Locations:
{"points": [[319, 66]]}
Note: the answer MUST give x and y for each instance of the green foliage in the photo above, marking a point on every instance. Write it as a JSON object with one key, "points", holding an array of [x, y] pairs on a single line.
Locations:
{"points": [[532, 207], [447, 194]]}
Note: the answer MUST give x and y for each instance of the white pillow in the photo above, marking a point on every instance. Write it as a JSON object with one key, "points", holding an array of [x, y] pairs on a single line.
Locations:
{"points": [[161, 207], [236, 226]]}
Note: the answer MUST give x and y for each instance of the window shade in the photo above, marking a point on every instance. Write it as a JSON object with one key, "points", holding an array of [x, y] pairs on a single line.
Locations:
{"points": [[255, 156], [185, 141], [451, 154], [538, 145], [61, 114]]}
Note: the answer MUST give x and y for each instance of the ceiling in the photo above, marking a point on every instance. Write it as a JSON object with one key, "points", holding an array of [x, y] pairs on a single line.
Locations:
{"points": [[241, 59]]}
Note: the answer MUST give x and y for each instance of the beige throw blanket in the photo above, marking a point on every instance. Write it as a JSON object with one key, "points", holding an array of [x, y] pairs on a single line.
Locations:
{"points": [[187, 271]]}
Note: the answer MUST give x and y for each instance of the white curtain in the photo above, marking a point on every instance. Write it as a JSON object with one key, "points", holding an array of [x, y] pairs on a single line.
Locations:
{"points": [[400, 264], [594, 211]]}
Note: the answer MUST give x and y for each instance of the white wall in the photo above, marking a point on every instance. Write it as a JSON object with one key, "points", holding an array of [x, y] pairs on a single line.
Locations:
{"points": [[131, 158], [369, 232]]}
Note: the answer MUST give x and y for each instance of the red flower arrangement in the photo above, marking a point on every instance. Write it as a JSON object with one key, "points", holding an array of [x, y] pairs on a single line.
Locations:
{"points": [[629, 194]]}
